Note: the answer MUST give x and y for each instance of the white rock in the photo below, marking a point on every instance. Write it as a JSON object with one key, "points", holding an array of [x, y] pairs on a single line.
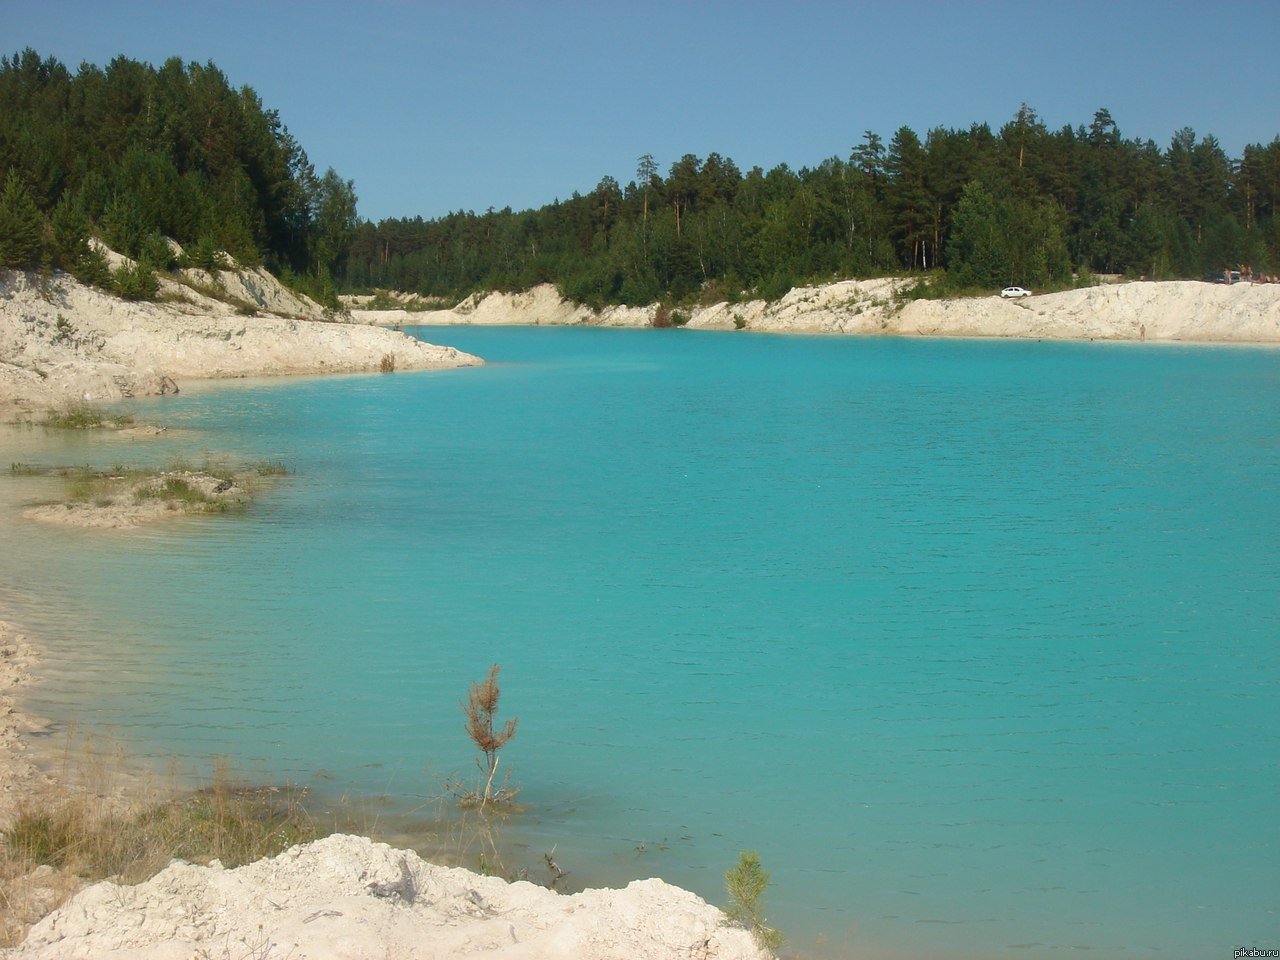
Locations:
{"points": [[319, 901], [62, 341]]}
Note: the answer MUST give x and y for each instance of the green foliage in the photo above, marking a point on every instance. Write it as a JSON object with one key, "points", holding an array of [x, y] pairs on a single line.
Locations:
{"points": [[270, 468], [1021, 205], [136, 282], [176, 151], [124, 226], [69, 242], [95, 270], [319, 287], [998, 240], [205, 255], [156, 253], [177, 489], [83, 416], [745, 884], [20, 224], [64, 331]]}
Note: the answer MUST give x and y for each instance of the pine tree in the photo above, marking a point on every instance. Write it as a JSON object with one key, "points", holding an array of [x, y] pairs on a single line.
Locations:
{"points": [[70, 246], [20, 224]]}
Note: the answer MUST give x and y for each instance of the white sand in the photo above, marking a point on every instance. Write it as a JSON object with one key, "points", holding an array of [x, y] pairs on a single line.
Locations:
{"points": [[1169, 310]]}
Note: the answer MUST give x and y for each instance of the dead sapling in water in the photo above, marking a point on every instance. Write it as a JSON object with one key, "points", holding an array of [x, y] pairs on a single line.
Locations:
{"points": [[557, 875], [480, 709]]}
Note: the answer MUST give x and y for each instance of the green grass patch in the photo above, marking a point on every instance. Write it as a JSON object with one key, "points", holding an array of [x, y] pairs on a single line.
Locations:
{"points": [[85, 417], [209, 487]]}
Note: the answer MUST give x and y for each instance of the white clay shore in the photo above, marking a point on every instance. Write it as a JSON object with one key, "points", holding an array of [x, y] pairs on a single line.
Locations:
{"points": [[348, 898], [339, 898], [62, 341], [1183, 310]]}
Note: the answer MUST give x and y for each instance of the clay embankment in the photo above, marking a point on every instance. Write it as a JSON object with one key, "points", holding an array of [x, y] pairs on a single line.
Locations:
{"points": [[61, 341], [348, 898], [1167, 310]]}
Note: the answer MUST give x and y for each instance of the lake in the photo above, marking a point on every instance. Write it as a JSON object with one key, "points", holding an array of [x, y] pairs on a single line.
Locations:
{"points": [[975, 642]]}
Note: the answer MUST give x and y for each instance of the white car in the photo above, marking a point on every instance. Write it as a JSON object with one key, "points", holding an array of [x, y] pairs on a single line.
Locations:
{"points": [[1010, 293]]}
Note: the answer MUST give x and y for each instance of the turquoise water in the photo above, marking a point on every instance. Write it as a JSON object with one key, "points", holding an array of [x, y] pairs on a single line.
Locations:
{"points": [[975, 642]]}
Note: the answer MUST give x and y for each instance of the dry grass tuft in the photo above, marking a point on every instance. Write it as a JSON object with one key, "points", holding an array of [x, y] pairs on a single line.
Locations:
{"points": [[79, 834]]}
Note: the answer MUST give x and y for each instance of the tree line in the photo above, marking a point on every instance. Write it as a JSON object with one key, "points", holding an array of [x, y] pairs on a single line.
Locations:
{"points": [[135, 153], [1022, 205]]}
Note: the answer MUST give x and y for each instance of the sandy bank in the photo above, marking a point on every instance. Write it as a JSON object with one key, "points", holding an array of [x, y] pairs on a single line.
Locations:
{"points": [[540, 306], [62, 341], [350, 898], [20, 775], [1168, 310]]}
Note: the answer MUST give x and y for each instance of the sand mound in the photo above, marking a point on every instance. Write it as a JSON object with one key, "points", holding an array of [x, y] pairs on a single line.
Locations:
{"points": [[348, 898]]}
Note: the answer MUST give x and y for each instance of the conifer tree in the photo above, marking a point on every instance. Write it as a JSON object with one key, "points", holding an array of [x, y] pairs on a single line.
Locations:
{"points": [[70, 241], [20, 224]]}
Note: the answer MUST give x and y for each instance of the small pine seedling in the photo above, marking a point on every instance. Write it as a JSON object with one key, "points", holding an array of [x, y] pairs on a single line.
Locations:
{"points": [[745, 884]]}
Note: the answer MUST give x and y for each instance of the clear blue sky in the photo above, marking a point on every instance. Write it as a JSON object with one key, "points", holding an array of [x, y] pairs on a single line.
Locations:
{"points": [[433, 106]]}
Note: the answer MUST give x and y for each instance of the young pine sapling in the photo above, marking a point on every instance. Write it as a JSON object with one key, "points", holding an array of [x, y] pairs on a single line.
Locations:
{"points": [[481, 708]]}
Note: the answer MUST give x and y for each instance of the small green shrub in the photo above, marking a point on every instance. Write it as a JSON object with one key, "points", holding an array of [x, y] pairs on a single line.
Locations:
{"points": [[205, 255], [156, 253], [93, 270], [137, 282], [82, 416], [746, 883], [64, 331]]}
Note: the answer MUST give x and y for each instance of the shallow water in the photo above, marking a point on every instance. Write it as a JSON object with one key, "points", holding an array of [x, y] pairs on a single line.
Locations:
{"points": [[975, 642]]}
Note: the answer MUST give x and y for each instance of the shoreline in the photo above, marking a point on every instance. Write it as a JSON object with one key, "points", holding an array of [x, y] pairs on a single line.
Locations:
{"points": [[23, 774], [1173, 311], [375, 901], [63, 342], [354, 883]]}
